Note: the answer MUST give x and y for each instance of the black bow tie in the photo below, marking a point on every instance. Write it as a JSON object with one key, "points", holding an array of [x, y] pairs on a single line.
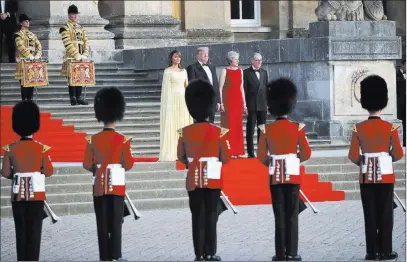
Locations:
{"points": [[257, 70], [205, 65]]}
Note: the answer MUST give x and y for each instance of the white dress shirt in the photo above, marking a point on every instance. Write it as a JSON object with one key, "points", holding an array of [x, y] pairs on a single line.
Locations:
{"points": [[3, 6], [208, 72], [404, 74], [257, 73]]}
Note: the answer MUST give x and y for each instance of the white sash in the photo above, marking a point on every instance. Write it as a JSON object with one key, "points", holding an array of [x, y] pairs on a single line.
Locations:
{"points": [[292, 164], [213, 168], [385, 162], [117, 174], [37, 181]]}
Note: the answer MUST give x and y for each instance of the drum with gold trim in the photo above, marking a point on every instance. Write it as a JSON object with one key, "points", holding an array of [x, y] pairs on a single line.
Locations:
{"points": [[81, 73], [34, 73]]}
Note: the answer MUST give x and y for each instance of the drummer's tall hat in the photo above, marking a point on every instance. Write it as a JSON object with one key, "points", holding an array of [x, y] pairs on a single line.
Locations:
{"points": [[109, 105], [25, 118], [281, 96], [373, 93]]}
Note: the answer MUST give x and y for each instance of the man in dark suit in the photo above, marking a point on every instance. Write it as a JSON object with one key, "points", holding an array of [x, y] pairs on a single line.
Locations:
{"points": [[8, 23], [401, 97], [202, 69], [255, 88]]}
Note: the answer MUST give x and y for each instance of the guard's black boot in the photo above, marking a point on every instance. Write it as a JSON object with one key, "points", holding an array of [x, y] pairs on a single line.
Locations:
{"points": [[213, 258], [275, 258], [391, 256], [81, 101], [73, 101], [200, 258], [371, 257], [294, 258]]}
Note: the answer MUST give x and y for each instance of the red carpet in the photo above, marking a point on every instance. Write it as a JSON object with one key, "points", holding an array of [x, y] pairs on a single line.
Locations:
{"points": [[66, 144], [246, 183]]}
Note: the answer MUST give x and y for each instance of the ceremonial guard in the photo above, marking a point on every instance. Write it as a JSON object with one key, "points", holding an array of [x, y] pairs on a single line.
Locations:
{"points": [[27, 162], [277, 149], [29, 48], [203, 147], [77, 49], [108, 155], [379, 143]]}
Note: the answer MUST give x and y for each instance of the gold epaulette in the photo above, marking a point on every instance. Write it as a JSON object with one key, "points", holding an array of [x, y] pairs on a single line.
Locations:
{"points": [[262, 128], [301, 126], [6, 148], [89, 139], [394, 127], [354, 128], [179, 131], [223, 131], [126, 138], [45, 148]]}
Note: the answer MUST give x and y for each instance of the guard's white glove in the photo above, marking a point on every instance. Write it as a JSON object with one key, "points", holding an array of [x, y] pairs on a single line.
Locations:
{"points": [[84, 57], [31, 57], [37, 57], [78, 58]]}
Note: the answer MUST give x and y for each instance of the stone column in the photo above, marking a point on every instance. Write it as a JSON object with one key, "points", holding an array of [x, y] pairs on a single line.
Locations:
{"points": [[141, 24], [48, 16], [207, 21], [396, 11]]}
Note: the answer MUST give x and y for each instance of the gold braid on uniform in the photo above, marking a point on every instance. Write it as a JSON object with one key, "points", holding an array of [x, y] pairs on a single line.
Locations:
{"points": [[71, 50], [301, 126], [179, 131], [262, 128], [6, 148], [354, 129], [394, 127]]}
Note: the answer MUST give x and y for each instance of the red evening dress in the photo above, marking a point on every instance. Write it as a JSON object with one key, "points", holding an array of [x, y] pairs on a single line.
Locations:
{"points": [[232, 118]]}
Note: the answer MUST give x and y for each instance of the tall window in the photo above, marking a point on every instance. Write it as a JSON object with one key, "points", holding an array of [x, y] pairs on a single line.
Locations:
{"points": [[245, 12]]}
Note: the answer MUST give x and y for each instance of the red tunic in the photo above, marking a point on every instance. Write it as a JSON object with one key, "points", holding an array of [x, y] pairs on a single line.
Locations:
{"points": [[26, 156], [232, 118], [374, 136], [99, 149], [283, 137], [191, 142]]}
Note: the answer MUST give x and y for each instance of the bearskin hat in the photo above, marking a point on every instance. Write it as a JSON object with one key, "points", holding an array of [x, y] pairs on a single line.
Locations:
{"points": [[200, 99], [23, 17], [25, 118], [281, 96], [73, 9], [109, 105], [373, 93]]}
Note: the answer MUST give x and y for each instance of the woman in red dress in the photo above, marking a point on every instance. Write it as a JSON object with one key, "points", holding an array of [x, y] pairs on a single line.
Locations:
{"points": [[233, 103]]}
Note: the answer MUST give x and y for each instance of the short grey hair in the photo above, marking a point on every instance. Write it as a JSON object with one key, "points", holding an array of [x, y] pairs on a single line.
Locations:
{"points": [[231, 55], [257, 55], [202, 49]]}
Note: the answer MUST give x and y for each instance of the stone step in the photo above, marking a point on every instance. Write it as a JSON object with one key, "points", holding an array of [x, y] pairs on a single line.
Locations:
{"points": [[87, 196], [87, 207], [130, 185], [76, 168], [317, 160], [100, 75], [344, 168], [68, 110], [65, 99], [355, 195], [352, 176], [136, 93], [136, 118], [57, 66], [354, 185]]}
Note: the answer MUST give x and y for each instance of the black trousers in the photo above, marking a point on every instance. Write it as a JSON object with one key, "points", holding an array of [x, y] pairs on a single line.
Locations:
{"points": [[377, 201], [27, 93], [7, 28], [286, 208], [252, 118], [203, 203], [109, 218], [28, 217], [75, 91]]}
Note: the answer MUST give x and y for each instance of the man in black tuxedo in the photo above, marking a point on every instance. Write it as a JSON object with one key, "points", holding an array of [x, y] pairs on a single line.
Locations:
{"points": [[8, 24], [401, 97], [255, 88], [202, 69]]}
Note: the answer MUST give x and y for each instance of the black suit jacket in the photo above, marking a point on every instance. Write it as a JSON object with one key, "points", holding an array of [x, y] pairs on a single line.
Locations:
{"points": [[11, 7], [196, 71], [255, 90], [401, 95]]}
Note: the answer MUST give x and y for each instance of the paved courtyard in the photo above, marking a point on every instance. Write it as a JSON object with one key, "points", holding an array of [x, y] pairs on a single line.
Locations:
{"points": [[336, 233]]}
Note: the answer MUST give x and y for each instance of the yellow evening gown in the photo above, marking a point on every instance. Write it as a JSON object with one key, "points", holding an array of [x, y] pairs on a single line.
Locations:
{"points": [[173, 113]]}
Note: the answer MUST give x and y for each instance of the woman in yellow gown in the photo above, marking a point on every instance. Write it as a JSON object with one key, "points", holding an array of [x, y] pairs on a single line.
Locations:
{"points": [[174, 112]]}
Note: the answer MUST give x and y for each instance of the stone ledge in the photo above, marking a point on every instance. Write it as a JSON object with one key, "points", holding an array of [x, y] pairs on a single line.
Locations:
{"points": [[352, 28]]}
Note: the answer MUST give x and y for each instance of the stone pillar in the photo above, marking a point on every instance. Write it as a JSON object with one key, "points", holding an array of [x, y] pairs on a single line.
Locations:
{"points": [[207, 21], [396, 11], [141, 24], [48, 16]]}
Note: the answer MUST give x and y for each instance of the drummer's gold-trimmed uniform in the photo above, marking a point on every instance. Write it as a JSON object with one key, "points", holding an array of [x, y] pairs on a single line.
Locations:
{"points": [[28, 46], [76, 45]]}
